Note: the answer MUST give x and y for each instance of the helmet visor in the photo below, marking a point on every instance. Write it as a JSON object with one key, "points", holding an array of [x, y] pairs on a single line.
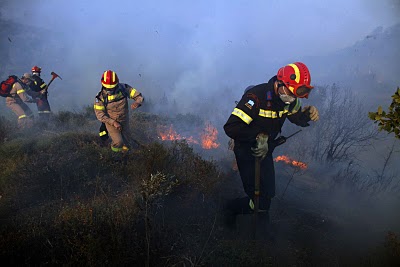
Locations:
{"points": [[303, 91]]}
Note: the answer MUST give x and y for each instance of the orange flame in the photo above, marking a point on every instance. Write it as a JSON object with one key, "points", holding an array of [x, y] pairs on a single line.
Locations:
{"points": [[209, 137], [170, 134], [292, 162]]}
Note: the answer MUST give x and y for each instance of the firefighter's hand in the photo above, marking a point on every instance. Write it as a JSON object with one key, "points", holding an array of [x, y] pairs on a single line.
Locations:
{"points": [[261, 150], [117, 125], [135, 105], [312, 112]]}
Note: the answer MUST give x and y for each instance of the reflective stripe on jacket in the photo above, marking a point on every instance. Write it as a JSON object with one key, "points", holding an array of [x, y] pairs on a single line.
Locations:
{"points": [[261, 110], [18, 93], [110, 106]]}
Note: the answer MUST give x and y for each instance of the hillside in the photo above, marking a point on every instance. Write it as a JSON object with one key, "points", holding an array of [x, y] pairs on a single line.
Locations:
{"points": [[23, 46], [64, 199], [369, 66]]}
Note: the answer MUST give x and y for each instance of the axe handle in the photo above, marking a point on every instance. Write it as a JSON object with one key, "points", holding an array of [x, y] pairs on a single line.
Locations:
{"points": [[256, 194], [52, 79]]}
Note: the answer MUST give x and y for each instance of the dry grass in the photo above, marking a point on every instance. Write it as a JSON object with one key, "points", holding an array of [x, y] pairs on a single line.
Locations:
{"points": [[65, 201]]}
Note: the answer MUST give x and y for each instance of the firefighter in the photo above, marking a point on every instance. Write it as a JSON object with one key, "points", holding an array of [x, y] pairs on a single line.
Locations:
{"points": [[39, 88], [16, 101], [111, 108], [256, 121]]}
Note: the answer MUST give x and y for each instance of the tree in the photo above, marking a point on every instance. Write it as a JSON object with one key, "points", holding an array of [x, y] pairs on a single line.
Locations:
{"points": [[390, 121], [343, 128]]}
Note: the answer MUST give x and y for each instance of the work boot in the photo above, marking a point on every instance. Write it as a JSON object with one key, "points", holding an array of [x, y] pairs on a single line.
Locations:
{"points": [[235, 207], [264, 227], [230, 215], [243, 205], [43, 121]]}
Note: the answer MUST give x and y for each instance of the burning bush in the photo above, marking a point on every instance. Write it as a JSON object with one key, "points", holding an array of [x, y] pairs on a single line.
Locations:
{"points": [[291, 162], [207, 138]]}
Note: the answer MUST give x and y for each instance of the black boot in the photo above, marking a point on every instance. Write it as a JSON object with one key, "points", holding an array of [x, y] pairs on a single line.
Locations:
{"points": [[264, 227], [235, 207], [230, 214]]}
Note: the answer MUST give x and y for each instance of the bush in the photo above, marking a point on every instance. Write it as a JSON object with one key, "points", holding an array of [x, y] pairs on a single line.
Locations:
{"points": [[65, 200]]}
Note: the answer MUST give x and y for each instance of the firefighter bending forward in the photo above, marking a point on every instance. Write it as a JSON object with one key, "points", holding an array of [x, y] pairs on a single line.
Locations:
{"points": [[17, 100], [256, 121], [111, 108]]}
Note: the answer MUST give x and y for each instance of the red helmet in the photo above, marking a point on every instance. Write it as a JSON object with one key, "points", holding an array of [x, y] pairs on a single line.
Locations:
{"points": [[109, 79], [36, 69], [296, 78]]}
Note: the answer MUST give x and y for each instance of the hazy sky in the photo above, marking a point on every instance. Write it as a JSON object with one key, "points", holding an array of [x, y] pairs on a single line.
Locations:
{"points": [[287, 26], [186, 48]]}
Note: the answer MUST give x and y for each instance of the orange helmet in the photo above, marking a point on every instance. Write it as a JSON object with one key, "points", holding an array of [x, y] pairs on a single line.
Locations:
{"points": [[109, 79], [36, 69], [296, 78]]}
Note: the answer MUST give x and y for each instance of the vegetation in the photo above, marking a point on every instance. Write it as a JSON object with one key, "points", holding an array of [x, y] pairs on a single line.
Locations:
{"points": [[66, 200], [389, 121], [343, 129]]}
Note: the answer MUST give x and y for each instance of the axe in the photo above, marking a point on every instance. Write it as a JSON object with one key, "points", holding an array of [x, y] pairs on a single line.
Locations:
{"points": [[54, 75]]}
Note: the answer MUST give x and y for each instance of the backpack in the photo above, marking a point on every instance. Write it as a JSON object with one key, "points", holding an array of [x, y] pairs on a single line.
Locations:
{"points": [[7, 85]]}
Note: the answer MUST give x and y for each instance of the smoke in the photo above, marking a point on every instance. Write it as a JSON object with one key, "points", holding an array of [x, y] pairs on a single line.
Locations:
{"points": [[187, 51], [201, 55], [387, 11]]}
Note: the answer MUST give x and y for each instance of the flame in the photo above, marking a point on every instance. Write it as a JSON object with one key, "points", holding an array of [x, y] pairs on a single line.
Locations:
{"points": [[292, 162], [170, 134], [209, 137]]}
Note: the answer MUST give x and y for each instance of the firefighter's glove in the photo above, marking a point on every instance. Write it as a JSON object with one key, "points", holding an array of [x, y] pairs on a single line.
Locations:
{"points": [[312, 112], [261, 149], [135, 105], [117, 125]]}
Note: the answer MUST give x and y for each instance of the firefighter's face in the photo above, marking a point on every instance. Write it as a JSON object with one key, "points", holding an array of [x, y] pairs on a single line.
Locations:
{"points": [[283, 90], [285, 94]]}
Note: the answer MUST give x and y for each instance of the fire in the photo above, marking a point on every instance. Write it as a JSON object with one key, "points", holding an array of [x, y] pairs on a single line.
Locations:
{"points": [[170, 134], [292, 162], [209, 137]]}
